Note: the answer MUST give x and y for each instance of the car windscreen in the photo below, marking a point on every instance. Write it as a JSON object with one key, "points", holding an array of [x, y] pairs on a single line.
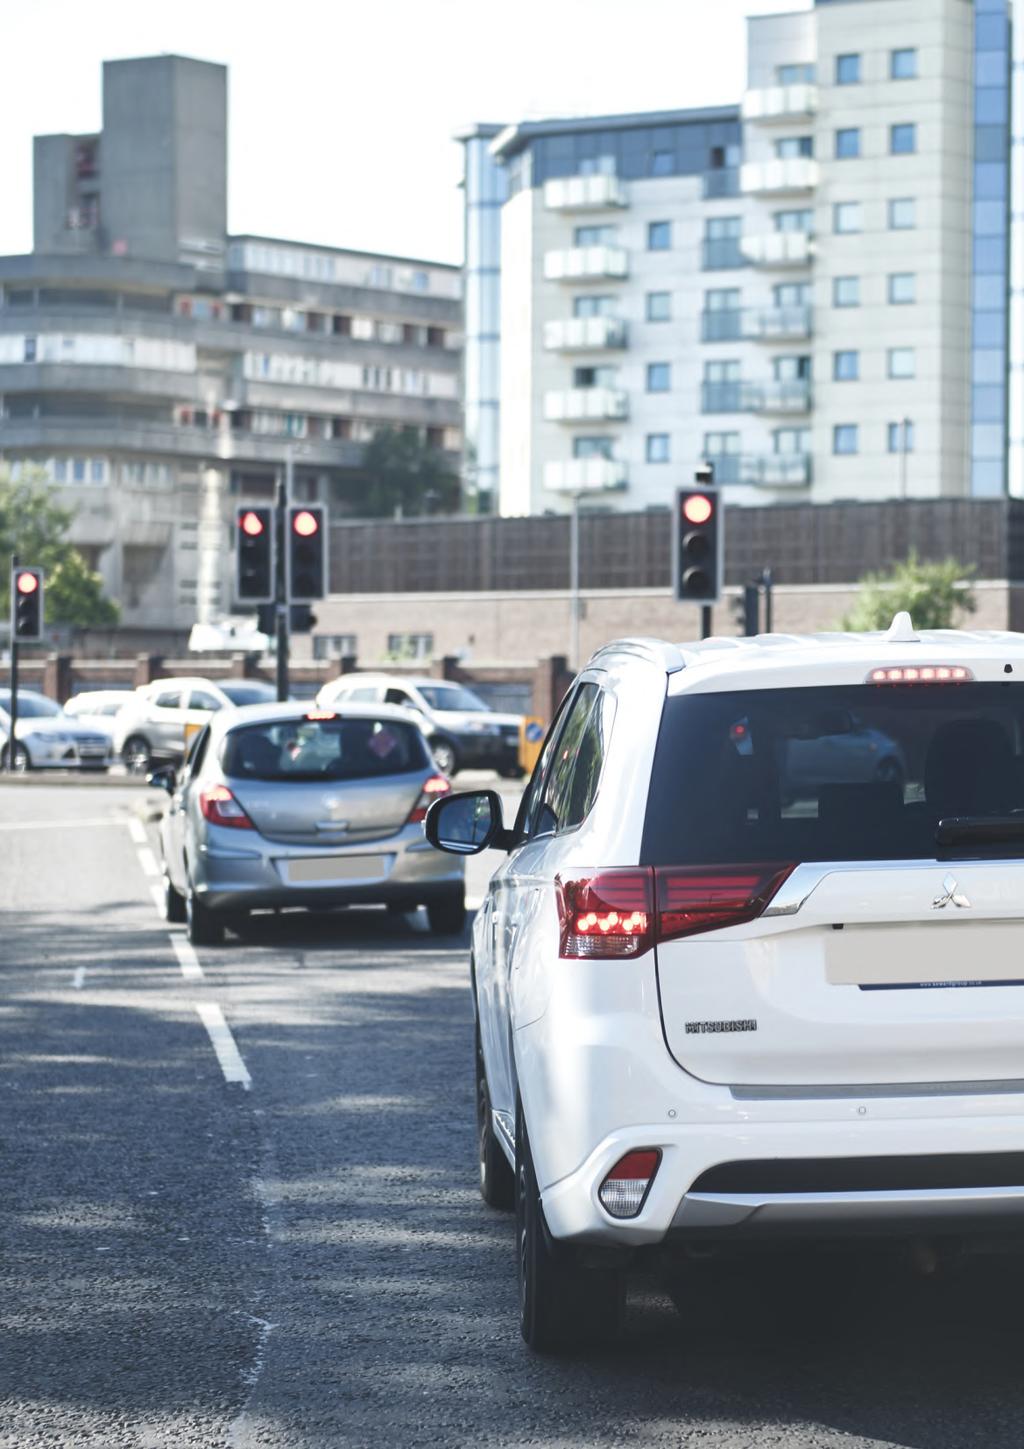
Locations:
{"points": [[30, 706], [452, 697], [254, 693], [324, 749], [826, 774]]}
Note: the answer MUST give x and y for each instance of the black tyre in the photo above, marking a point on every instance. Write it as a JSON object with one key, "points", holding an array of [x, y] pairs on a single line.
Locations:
{"points": [[447, 915], [561, 1305], [22, 763], [174, 902], [445, 755], [137, 756], [497, 1179], [204, 928]]}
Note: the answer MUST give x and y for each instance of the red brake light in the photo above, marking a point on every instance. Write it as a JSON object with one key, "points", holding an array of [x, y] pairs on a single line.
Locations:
{"points": [[620, 913], [321, 714], [431, 789], [921, 674], [623, 1191], [220, 807]]}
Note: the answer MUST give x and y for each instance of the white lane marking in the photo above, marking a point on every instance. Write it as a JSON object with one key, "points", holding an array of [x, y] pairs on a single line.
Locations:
{"points": [[187, 958], [137, 831], [157, 892], [59, 824], [147, 860], [223, 1043], [78, 980]]}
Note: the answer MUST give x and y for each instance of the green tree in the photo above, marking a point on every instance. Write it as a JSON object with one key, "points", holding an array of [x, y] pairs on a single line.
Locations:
{"points": [[935, 595], [404, 472], [34, 526]]}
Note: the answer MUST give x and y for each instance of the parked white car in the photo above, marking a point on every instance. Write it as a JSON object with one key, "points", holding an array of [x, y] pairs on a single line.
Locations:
{"points": [[97, 709], [721, 996], [47, 738], [157, 719]]}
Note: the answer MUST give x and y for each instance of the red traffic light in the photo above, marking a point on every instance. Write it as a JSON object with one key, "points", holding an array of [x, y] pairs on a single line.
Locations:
{"points": [[27, 583], [698, 508], [305, 524], [252, 524]]}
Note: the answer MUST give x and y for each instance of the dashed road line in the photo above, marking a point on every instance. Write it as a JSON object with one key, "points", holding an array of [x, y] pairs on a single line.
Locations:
{"points": [[223, 1043], [90, 823], [147, 860], [187, 958], [158, 899], [137, 831], [78, 980]]}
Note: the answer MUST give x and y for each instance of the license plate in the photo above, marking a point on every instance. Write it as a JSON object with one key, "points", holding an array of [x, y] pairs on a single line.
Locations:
{"points": [[326, 869]]}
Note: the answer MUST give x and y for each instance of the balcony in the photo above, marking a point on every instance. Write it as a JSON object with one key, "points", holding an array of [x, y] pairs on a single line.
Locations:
{"points": [[722, 253], [779, 178], [780, 103], [722, 183], [726, 466], [584, 193], [778, 249], [584, 334], [723, 397], [793, 396], [586, 264], [776, 470], [724, 324], [586, 404], [777, 324], [586, 475]]}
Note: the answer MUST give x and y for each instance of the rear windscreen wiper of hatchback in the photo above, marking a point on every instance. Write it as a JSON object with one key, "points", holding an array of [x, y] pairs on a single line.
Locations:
{"points": [[980, 829]]}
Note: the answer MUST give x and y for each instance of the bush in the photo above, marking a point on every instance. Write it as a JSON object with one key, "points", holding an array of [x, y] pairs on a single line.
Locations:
{"points": [[935, 595]]}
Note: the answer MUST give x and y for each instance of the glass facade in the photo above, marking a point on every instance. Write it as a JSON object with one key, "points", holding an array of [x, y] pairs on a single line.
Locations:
{"points": [[990, 237], [486, 185]]}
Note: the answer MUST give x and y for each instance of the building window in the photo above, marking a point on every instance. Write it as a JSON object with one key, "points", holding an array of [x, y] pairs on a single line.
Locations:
{"points": [[721, 445], [799, 74], [593, 306], [659, 306], [847, 216], [657, 448], [791, 294], [722, 299], [903, 139], [593, 447], [605, 376], [334, 646], [846, 291], [902, 287], [844, 439], [847, 70], [593, 236], [789, 441], [903, 65], [901, 214], [802, 220], [659, 236], [410, 646], [902, 362], [792, 367], [790, 146], [663, 163], [901, 437], [848, 143], [659, 376], [845, 366]]}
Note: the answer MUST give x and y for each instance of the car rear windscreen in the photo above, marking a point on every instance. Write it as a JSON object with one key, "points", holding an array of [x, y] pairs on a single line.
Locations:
{"points": [[324, 749], [863, 772]]}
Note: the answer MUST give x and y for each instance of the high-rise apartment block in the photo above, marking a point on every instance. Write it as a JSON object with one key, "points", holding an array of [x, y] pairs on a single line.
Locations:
{"points": [[809, 290], [160, 369]]}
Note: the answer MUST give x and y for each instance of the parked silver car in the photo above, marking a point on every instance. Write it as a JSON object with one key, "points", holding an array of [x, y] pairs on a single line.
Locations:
{"points": [[290, 805], [47, 738]]}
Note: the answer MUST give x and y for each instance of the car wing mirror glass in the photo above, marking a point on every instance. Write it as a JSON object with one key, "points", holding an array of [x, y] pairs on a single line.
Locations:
{"points": [[468, 823], [166, 778]]}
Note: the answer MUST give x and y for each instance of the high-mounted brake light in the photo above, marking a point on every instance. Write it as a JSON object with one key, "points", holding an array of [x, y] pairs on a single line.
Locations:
{"points": [[921, 674], [621, 913], [321, 714], [220, 807], [625, 1188], [432, 788]]}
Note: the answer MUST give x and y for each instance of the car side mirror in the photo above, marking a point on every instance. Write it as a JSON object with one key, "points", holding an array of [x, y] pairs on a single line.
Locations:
{"points": [[468, 823], [166, 778]]}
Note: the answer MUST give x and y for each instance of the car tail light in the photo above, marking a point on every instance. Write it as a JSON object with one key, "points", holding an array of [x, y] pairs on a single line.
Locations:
{"points": [[432, 788], [220, 807], [623, 1191], [921, 674], [611, 914]]}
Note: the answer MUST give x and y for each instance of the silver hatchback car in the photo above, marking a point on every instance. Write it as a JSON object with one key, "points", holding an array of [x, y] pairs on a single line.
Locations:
{"points": [[289, 805]]}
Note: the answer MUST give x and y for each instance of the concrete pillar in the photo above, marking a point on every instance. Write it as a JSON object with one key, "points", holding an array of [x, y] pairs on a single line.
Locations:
{"points": [[551, 679], [147, 668], [347, 664], [57, 677]]}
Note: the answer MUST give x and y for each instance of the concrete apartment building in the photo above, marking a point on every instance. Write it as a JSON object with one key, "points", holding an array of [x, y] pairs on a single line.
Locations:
{"points": [[809, 290], [160, 369]]}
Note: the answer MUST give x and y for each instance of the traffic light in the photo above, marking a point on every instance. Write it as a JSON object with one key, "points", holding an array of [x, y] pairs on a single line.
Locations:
{"points": [[300, 619], [254, 555], [26, 605], [306, 553], [697, 538]]}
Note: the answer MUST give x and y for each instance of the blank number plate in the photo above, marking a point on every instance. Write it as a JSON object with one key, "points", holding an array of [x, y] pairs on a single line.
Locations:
{"points": [[324, 869]]}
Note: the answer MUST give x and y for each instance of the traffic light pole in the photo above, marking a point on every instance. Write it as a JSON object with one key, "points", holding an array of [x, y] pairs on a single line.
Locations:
{"points": [[13, 711], [284, 492]]}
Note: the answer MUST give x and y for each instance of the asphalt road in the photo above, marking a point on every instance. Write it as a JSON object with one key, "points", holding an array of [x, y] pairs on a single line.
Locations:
{"points": [[301, 1259]]}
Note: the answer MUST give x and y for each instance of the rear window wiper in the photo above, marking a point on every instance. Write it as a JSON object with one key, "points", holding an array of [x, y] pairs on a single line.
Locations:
{"points": [[980, 829]]}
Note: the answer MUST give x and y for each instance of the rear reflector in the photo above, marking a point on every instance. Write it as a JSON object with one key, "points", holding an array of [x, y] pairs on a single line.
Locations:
{"points": [[220, 807], [921, 674], [623, 1191], [432, 788], [610, 914]]}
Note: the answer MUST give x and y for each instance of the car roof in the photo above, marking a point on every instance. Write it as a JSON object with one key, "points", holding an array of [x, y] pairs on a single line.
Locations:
{"points": [[414, 679], [187, 679], [250, 714]]}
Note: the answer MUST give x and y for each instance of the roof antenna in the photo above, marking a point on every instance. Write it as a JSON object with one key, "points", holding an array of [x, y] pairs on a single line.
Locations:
{"points": [[902, 631]]}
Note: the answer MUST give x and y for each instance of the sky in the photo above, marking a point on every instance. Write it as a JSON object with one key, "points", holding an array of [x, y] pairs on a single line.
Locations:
{"points": [[341, 114]]}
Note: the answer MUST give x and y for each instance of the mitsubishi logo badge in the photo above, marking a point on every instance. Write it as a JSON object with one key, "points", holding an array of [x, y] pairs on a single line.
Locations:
{"points": [[952, 893]]}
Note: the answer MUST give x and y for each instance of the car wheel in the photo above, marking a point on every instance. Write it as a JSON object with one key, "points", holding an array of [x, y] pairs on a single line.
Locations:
{"points": [[22, 763], [174, 903], [445, 757], [561, 1305], [447, 915], [497, 1179], [138, 759], [204, 928]]}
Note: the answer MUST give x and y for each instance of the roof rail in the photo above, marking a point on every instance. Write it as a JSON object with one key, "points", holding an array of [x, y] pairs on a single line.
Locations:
{"points": [[656, 651]]}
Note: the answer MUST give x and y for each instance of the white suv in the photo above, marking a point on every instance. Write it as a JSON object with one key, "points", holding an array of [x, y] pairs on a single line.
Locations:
{"points": [[754, 961]]}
